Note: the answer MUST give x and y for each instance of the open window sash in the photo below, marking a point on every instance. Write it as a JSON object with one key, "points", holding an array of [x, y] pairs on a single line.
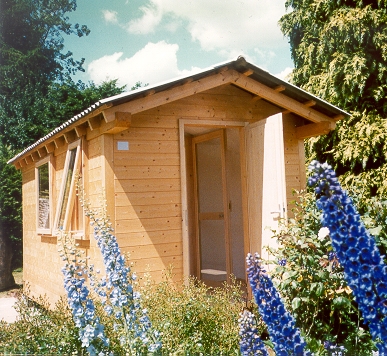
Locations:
{"points": [[67, 196]]}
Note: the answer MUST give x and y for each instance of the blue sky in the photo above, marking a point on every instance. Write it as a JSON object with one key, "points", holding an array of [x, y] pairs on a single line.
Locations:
{"points": [[156, 40]]}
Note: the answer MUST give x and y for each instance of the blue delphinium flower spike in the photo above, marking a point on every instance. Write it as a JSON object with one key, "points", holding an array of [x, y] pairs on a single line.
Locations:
{"points": [[121, 301], [250, 343], [286, 337], [356, 250], [83, 309]]}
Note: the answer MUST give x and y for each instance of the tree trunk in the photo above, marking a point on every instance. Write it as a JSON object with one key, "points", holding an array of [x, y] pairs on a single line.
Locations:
{"points": [[6, 277]]}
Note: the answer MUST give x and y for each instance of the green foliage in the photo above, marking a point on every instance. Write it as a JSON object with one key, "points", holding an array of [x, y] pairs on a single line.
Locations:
{"points": [[67, 99], [10, 207], [32, 41], [39, 329], [193, 318], [312, 284], [31, 57], [339, 49]]}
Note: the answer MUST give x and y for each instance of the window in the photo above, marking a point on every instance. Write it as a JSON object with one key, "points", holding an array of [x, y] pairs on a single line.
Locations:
{"points": [[43, 175], [69, 214]]}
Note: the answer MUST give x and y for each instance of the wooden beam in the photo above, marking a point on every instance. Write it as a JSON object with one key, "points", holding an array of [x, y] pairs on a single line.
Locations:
{"points": [[277, 98], [338, 117], [42, 152], [29, 159], [80, 130], [123, 119], [50, 147], [94, 123], [256, 98], [248, 72], [173, 94], [59, 141], [222, 69], [19, 164], [279, 88], [151, 92], [185, 81], [312, 130], [121, 122], [70, 136], [310, 103], [35, 156]]}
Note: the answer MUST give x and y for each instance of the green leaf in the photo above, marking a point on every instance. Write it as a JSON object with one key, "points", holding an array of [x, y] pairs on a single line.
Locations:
{"points": [[376, 230], [319, 289], [296, 302]]}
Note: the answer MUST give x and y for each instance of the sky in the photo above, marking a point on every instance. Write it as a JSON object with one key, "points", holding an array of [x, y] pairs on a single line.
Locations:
{"points": [[151, 41]]}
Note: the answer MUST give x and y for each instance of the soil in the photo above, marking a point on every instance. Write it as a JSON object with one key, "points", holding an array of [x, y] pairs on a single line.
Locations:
{"points": [[18, 275]]}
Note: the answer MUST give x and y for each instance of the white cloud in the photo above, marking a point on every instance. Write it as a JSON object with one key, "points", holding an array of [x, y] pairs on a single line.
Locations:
{"points": [[151, 17], [218, 25], [154, 63], [110, 16], [285, 74]]}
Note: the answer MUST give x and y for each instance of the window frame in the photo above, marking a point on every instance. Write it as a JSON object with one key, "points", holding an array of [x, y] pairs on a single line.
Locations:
{"points": [[71, 188], [46, 160]]}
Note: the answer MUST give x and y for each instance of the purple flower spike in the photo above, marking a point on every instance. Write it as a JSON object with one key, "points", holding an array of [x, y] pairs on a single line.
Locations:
{"points": [[283, 333], [356, 250], [250, 343]]}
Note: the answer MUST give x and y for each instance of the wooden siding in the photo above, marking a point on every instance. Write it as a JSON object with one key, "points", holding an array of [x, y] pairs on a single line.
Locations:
{"points": [[142, 185], [41, 261], [295, 174], [147, 176], [147, 193]]}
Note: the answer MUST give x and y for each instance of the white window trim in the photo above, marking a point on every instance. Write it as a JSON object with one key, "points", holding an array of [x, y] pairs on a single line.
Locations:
{"points": [[43, 161], [72, 188]]}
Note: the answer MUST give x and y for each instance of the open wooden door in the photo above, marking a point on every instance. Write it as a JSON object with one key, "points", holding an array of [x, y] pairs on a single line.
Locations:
{"points": [[265, 183], [213, 246]]}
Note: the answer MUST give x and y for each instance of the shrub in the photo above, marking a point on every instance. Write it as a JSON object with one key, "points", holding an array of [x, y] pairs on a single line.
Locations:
{"points": [[194, 318], [39, 329]]}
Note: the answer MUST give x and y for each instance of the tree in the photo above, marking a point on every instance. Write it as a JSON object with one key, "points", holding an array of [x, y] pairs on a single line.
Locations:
{"points": [[339, 49], [31, 57], [63, 101], [36, 95]]}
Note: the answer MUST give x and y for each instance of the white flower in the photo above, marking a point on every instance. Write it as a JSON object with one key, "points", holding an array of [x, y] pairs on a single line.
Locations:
{"points": [[323, 233]]}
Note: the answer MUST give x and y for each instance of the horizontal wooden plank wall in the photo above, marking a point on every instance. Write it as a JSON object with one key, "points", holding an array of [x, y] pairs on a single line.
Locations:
{"points": [[147, 193], [294, 155], [41, 261], [96, 194], [143, 187], [147, 176]]}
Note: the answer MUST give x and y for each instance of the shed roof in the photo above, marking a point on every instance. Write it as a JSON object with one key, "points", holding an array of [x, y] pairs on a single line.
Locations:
{"points": [[240, 65]]}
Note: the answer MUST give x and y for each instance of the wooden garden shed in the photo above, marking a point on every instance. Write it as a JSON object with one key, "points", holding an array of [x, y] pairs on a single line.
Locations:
{"points": [[194, 172]]}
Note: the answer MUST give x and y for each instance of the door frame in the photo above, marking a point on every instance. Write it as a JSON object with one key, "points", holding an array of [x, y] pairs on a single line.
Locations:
{"points": [[188, 250]]}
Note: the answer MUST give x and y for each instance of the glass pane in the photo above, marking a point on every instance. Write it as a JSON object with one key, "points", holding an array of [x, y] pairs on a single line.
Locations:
{"points": [[213, 250], [210, 200], [68, 178], [209, 171], [44, 197]]}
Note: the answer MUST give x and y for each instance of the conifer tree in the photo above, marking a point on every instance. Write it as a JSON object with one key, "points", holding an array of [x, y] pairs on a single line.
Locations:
{"points": [[339, 49]]}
